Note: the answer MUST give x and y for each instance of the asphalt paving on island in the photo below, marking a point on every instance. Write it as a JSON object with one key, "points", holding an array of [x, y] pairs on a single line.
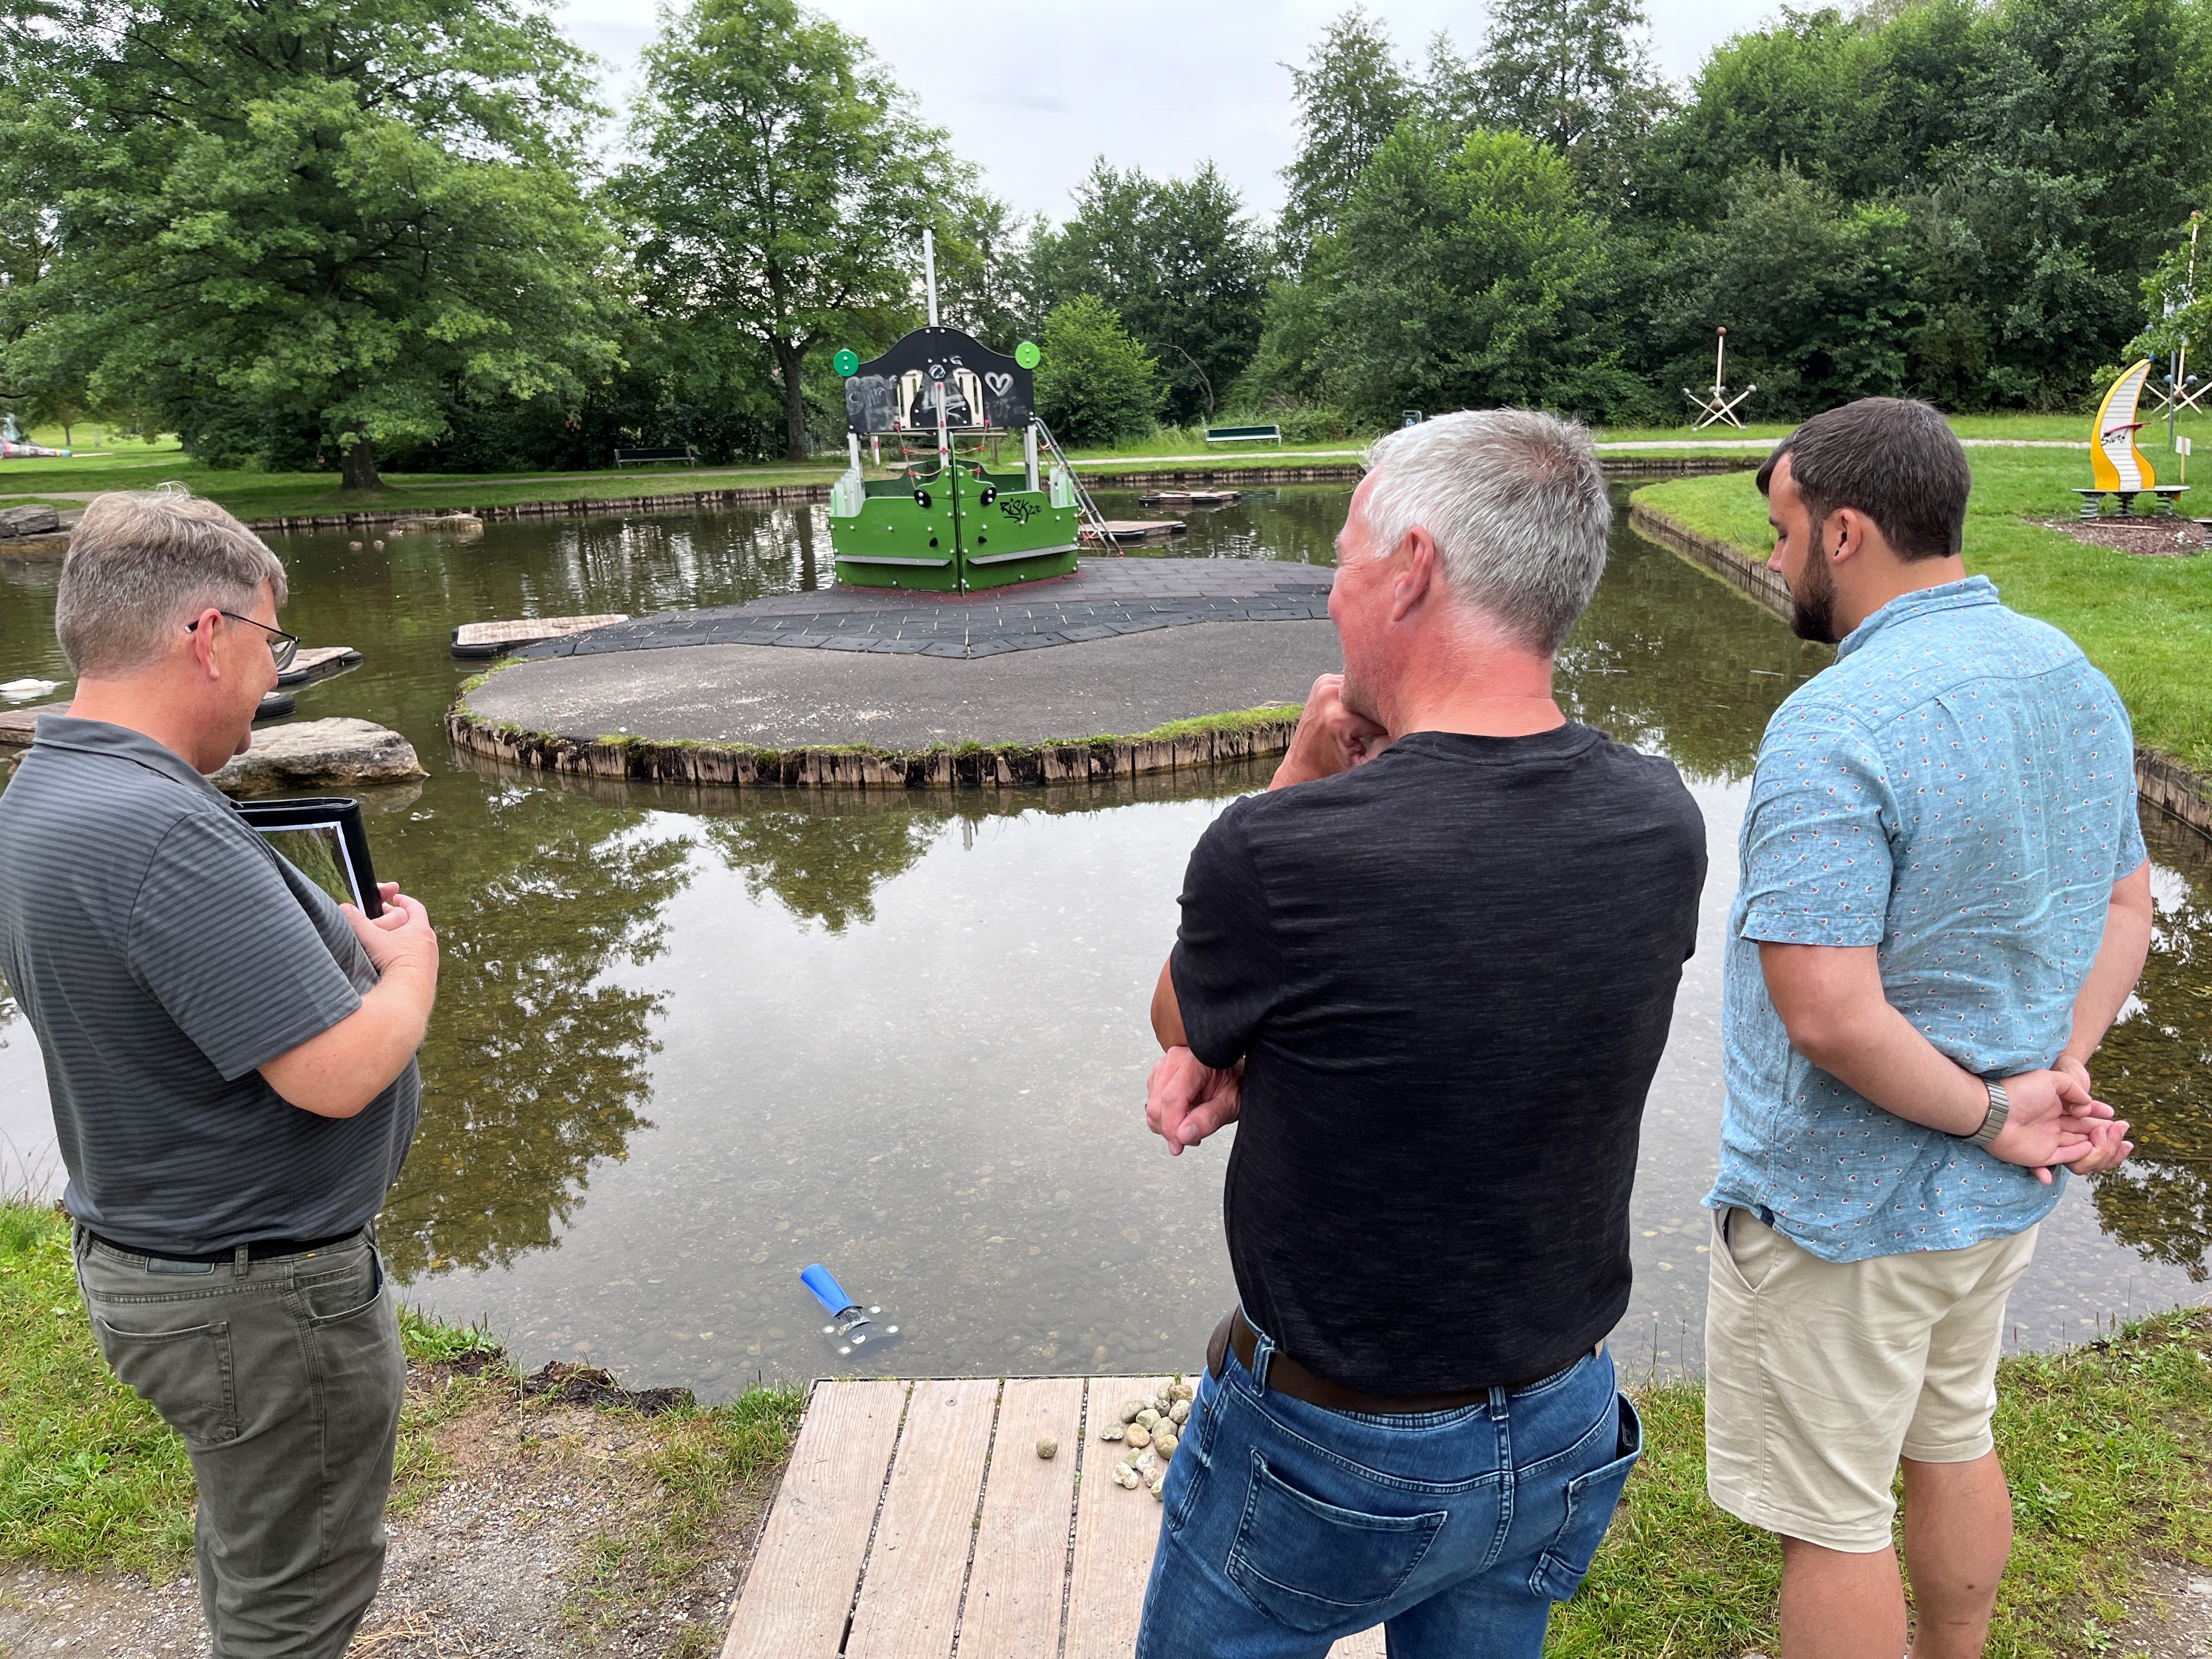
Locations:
{"points": [[1123, 647], [759, 696]]}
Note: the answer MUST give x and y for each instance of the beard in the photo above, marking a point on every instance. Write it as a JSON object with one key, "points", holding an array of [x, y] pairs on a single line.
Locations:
{"points": [[1812, 611]]}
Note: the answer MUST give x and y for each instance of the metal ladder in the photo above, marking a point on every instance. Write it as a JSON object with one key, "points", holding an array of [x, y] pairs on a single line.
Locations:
{"points": [[1093, 519]]}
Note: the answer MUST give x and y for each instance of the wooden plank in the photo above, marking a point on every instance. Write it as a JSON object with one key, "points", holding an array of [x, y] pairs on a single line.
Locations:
{"points": [[530, 630], [910, 1598], [17, 726], [1368, 1645], [801, 1588], [1116, 1532], [1014, 1589]]}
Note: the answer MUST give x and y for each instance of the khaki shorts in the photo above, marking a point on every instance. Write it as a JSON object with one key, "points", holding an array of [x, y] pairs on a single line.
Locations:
{"points": [[1819, 1373]]}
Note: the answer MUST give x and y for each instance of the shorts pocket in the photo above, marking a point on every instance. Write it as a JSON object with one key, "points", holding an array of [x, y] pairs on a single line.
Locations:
{"points": [[1591, 1499], [1311, 1564], [187, 1377]]}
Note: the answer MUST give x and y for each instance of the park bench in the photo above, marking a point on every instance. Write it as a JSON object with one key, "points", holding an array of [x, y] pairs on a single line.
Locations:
{"points": [[647, 457], [1243, 434]]}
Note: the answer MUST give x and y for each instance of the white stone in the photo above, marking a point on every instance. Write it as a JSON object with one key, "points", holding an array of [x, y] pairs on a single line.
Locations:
{"points": [[330, 751]]}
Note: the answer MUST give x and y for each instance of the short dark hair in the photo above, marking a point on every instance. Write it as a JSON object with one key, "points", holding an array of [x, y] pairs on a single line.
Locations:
{"points": [[1894, 459]]}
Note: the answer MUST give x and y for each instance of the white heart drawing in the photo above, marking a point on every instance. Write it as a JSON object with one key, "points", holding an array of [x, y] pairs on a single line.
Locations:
{"points": [[999, 384]]}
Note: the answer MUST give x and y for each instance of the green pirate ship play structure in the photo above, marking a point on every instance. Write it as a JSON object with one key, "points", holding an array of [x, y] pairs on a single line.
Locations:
{"points": [[925, 504]]}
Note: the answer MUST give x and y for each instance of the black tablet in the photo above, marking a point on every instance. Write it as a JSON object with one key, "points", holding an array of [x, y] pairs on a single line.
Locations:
{"points": [[324, 837]]}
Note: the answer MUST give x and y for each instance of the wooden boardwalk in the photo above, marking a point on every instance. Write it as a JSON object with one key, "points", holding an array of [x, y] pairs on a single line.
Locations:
{"points": [[916, 1514]]}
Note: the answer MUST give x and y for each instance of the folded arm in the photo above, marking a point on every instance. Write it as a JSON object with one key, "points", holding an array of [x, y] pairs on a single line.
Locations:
{"points": [[341, 1069]]}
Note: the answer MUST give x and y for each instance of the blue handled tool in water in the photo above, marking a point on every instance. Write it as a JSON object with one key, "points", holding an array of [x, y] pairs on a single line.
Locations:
{"points": [[851, 1325]]}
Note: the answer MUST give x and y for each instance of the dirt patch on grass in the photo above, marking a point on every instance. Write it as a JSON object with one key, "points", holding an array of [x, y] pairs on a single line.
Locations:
{"points": [[521, 1525], [2146, 538]]}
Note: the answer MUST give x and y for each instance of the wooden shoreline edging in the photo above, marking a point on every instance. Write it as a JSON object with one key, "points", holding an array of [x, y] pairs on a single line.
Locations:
{"points": [[702, 501], [642, 760], [2164, 782]]}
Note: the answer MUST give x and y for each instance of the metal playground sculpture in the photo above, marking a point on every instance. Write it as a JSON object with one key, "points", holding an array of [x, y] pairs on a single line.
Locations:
{"points": [[944, 520], [2117, 467], [1718, 406]]}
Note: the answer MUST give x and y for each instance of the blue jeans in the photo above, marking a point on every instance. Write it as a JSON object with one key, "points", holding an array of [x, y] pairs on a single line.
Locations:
{"points": [[1287, 1527]]}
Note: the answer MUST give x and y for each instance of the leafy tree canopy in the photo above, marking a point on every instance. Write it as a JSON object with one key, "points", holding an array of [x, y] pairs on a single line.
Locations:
{"points": [[1095, 384], [317, 221], [1178, 259], [781, 183]]}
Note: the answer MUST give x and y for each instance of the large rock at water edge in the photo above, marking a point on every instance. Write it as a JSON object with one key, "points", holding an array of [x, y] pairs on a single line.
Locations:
{"points": [[319, 752], [35, 519]]}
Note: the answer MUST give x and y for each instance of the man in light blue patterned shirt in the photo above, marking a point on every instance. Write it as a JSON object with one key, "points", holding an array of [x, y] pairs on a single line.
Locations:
{"points": [[1943, 903]]}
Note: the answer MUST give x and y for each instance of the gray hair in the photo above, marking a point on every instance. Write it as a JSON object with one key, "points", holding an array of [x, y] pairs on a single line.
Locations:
{"points": [[1517, 504], [141, 565]]}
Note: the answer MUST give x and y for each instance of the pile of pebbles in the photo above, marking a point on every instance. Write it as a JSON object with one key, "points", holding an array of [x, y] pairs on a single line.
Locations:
{"points": [[1150, 1429]]}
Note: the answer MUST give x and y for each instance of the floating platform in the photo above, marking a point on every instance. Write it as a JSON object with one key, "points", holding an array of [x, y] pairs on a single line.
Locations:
{"points": [[1193, 498], [1138, 530], [19, 726], [913, 1515], [319, 662], [476, 641]]}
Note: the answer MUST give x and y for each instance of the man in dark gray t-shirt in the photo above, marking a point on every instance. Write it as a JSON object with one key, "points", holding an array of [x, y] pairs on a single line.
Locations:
{"points": [[163, 953], [230, 1058]]}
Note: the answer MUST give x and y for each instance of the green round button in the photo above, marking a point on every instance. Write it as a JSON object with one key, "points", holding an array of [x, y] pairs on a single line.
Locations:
{"points": [[845, 360], [1026, 354]]}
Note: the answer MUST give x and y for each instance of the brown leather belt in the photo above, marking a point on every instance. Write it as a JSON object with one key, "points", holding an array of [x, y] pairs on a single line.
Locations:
{"points": [[1285, 1375]]}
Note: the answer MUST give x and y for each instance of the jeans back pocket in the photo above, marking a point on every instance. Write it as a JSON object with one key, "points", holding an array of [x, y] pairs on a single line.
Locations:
{"points": [[1310, 1564], [1591, 1498], [187, 1377]]}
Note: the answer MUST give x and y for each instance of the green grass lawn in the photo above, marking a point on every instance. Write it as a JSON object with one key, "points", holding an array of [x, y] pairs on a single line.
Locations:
{"points": [[2146, 622], [2106, 1448], [128, 463]]}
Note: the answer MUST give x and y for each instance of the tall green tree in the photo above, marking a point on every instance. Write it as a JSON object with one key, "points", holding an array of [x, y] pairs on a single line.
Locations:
{"points": [[1178, 259], [1468, 274], [1350, 95], [1096, 384], [1573, 74], [324, 219], [781, 183]]}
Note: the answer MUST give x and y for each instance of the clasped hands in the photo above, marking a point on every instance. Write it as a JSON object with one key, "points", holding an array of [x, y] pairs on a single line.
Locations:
{"points": [[2055, 1120], [1186, 1100]]}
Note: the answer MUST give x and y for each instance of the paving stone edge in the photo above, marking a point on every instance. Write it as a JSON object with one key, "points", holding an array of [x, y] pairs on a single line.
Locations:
{"points": [[2164, 782]]}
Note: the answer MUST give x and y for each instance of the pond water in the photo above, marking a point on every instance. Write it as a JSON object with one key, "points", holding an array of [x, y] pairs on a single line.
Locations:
{"points": [[688, 1043]]}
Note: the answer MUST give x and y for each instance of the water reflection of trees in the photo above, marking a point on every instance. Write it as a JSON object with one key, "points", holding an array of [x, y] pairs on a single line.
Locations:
{"points": [[824, 865], [536, 1065], [2152, 1069], [1668, 658], [1292, 525]]}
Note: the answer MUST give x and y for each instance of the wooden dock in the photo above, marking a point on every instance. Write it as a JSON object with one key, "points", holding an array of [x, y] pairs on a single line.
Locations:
{"points": [[1137, 529], [1193, 498], [916, 1515], [490, 639], [319, 662]]}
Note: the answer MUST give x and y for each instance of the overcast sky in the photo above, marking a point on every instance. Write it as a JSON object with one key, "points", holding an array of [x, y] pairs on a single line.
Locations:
{"points": [[1032, 92]]}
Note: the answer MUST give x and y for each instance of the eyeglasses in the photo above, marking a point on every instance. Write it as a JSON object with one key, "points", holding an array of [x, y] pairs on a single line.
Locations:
{"points": [[282, 645]]}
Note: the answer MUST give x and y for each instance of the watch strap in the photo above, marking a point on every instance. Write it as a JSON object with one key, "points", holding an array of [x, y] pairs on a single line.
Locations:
{"points": [[2000, 1109]]}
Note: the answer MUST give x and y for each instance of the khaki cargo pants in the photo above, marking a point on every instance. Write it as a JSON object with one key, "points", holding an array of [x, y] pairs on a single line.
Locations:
{"points": [[285, 1376]]}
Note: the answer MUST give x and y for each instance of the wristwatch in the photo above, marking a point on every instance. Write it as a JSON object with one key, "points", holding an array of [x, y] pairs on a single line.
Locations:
{"points": [[2000, 1109]]}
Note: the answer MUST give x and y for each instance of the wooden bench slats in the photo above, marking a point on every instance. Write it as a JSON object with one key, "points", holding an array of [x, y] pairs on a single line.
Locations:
{"points": [[910, 1597], [1015, 1589], [800, 1587]]}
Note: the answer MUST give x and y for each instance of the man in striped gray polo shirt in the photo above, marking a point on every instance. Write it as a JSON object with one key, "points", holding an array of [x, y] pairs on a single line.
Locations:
{"points": [[231, 1061]]}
